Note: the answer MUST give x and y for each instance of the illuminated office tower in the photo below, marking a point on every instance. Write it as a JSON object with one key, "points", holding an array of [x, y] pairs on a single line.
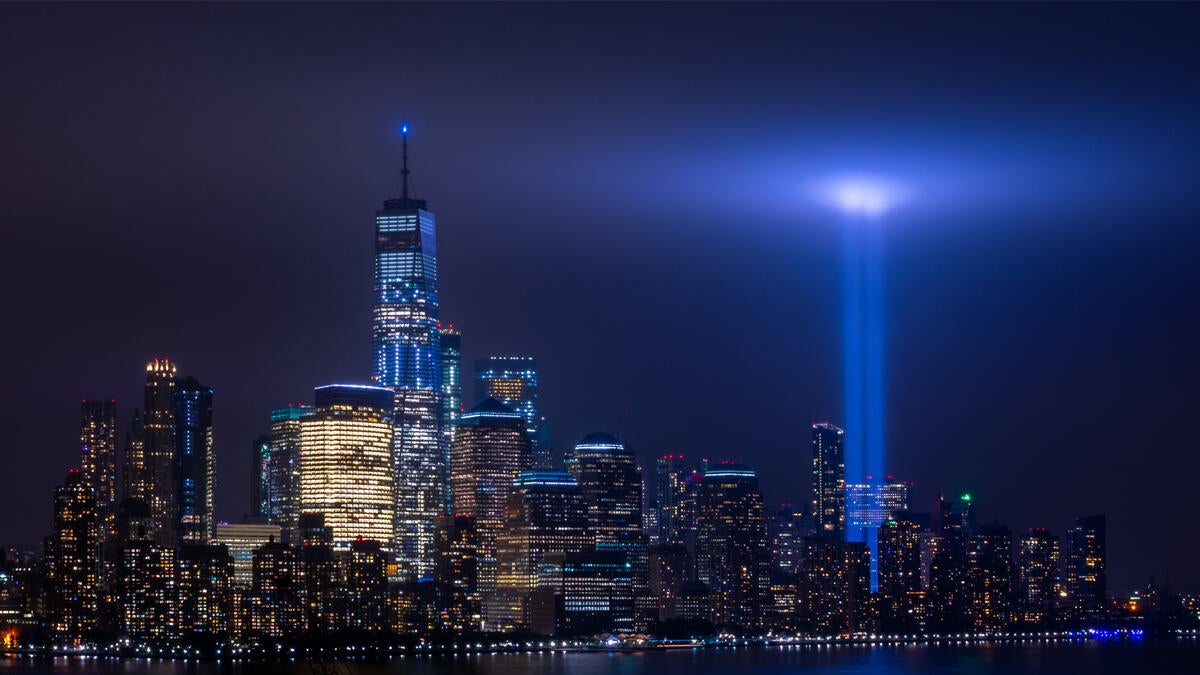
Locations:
{"points": [[787, 530], [150, 469], [278, 457], [513, 381], [241, 541], [670, 570], [670, 490], [1039, 589], [490, 449], [98, 445], [610, 479], [346, 462], [989, 577], [828, 481], [733, 556], [73, 558], [195, 463], [593, 591], [545, 513], [407, 358], [611, 483], [1086, 568], [260, 462], [868, 505], [900, 588], [452, 403]]}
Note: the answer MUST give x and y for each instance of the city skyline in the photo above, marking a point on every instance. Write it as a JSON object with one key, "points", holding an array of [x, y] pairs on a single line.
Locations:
{"points": [[582, 347]]}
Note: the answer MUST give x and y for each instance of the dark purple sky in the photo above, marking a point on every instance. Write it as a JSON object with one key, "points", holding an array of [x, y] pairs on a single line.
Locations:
{"points": [[624, 191]]}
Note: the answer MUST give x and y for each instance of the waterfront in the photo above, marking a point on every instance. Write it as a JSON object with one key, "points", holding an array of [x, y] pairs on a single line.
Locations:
{"points": [[1104, 658]]}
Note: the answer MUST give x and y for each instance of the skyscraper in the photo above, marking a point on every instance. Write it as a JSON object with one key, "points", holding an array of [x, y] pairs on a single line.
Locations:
{"points": [[195, 463], [1039, 589], [545, 513], [73, 558], [152, 469], [787, 530], [98, 462], [828, 481], [407, 358], [900, 573], [868, 505], [513, 381], [260, 463], [456, 574], [490, 449], [611, 483], [670, 490], [989, 577], [452, 403], [1086, 567], [346, 462], [733, 556], [281, 480]]}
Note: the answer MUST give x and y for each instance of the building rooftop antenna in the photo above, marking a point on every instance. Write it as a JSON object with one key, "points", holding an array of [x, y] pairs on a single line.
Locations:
{"points": [[404, 170]]}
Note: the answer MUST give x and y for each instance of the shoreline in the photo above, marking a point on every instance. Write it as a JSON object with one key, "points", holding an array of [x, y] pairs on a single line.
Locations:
{"points": [[354, 653]]}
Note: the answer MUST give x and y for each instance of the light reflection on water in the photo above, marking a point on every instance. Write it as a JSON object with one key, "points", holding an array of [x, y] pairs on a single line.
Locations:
{"points": [[1114, 658]]}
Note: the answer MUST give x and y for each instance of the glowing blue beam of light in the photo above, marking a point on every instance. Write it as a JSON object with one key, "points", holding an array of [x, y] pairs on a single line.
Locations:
{"points": [[864, 348]]}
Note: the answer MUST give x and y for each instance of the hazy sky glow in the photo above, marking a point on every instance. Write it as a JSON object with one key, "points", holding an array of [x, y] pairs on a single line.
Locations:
{"points": [[630, 192]]}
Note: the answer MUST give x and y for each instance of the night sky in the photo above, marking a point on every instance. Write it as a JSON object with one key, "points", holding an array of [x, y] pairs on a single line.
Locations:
{"points": [[627, 192]]}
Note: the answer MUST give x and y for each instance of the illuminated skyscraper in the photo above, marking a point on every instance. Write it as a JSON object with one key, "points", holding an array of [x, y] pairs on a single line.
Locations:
{"points": [[545, 514], [787, 528], [1086, 568], [733, 556], [490, 449], [73, 558], [868, 505], [151, 470], [407, 358], [456, 574], [278, 457], [146, 591], [670, 491], [828, 481], [98, 462], [900, 574], [611, 483], [513, 381], [260, 462], [989, 577], [452, 403], [346, 462], [1039, 588], [195, 463]]}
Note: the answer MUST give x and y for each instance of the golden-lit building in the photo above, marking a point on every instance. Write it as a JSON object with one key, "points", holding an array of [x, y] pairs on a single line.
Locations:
{"points": [[346, 463]]}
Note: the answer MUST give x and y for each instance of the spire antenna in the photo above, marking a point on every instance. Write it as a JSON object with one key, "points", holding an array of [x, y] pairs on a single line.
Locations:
{"points": [[404, 171]]}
